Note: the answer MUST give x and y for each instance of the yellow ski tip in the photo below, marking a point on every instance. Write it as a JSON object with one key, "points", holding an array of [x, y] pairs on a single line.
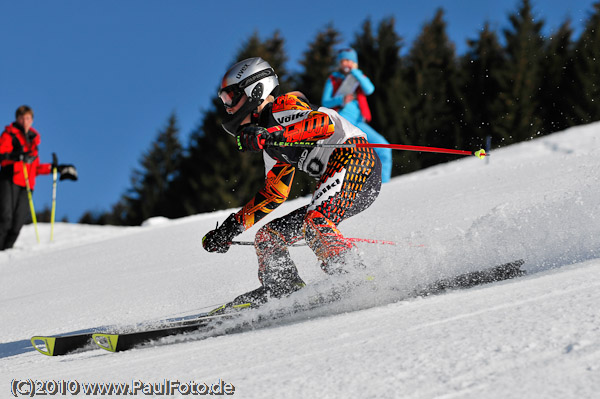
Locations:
{"points": [[106, 341], [44, 345], [480, 154]]}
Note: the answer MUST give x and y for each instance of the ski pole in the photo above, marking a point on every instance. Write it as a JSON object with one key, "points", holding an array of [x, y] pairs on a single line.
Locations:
{"points": [[381, 242], [30, 197], [352, 239], [251, 243], [53, 212], [479, 153]]}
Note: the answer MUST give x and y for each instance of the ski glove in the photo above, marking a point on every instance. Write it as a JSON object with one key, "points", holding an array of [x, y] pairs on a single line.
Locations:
{"points": [[251, 138], [27, 158], [18, 155], [219, 239], [8, 156], [67, 172]]}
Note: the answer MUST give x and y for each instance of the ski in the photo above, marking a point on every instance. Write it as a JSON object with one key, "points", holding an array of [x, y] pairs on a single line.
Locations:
{"points": [[118, 342], [123, 342], [502, 272], [61, 344], [58, 345]]}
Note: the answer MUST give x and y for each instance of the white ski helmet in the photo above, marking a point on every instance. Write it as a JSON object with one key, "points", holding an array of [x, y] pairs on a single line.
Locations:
{"points": [[253, 77]]}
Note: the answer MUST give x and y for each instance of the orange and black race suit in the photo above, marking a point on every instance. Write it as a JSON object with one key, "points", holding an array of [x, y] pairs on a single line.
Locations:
{"points": [[349, 181], [298, 121]]}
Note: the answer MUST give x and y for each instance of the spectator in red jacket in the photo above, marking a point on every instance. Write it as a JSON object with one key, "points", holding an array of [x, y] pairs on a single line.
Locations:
{"points": [[19, 151]]}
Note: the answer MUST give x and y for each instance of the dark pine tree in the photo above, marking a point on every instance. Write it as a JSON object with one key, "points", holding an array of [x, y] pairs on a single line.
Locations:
{"points": [[587, 70], [159, 166], [520, 79], [316, 64], [557, 92], [435, 103], [379, 58], [480, 85]]}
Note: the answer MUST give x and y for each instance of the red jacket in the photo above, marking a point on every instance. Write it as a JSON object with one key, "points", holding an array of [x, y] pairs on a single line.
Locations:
{"points": [[361, 97], [12, 137]]}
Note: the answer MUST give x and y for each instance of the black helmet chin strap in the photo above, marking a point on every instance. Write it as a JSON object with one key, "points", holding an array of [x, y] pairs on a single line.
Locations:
{"points": [[232, 125]]}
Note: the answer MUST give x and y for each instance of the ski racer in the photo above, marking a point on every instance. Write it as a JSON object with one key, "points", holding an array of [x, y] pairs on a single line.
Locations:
{"points": [[349, 179]]}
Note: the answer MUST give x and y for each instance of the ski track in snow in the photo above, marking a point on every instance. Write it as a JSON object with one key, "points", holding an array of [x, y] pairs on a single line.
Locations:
{"points": [[537, 336]]}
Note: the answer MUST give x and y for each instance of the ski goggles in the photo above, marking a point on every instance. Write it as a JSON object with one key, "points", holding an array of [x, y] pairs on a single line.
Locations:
{"points": [[231, 95]]}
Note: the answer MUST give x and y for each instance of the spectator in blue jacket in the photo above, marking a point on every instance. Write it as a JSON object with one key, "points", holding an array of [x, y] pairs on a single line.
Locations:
{"points": [[346, 91]]}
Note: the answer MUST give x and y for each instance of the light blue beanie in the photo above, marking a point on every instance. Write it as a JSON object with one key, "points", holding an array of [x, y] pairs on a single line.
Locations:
{"points": [[347, 54]]}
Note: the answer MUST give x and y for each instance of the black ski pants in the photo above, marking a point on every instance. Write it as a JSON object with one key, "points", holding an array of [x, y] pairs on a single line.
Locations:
{"points": [[14, 211]]}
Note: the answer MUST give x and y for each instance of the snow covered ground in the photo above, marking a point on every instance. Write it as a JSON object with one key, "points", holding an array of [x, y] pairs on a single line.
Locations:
{"points": [[533, 337]]}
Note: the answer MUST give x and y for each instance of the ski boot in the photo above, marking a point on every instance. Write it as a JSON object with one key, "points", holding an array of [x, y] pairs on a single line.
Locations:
{"points": [[259, 296]]}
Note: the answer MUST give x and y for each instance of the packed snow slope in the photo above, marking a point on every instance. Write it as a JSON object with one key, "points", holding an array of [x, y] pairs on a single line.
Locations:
{"points": [[537, 336]]}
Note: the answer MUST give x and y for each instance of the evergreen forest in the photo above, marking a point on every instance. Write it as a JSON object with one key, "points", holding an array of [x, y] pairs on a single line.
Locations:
{"points": [[510, 85]]}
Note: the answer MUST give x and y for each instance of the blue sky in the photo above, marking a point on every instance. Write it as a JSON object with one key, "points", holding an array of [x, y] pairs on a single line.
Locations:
{"points": [[104, 76]]}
